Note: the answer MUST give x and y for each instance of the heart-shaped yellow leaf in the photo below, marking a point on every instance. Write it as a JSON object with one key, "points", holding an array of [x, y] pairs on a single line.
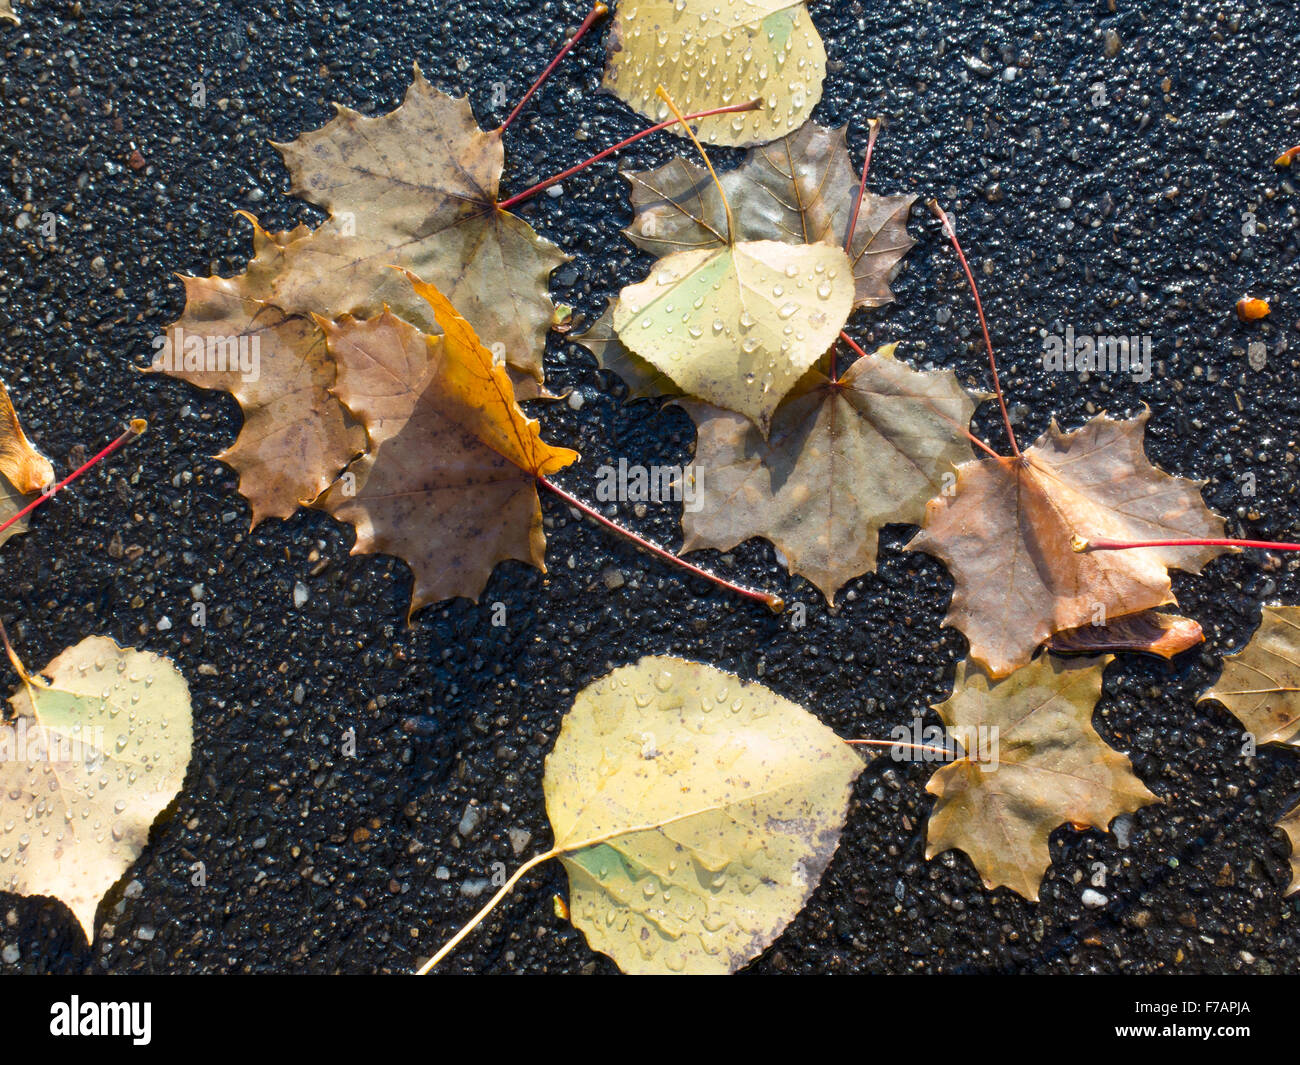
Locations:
{"points": [[93, 754], [737, 326], [694, 812]]}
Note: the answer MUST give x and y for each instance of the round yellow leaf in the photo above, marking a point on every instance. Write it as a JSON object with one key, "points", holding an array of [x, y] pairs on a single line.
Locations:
{"points": [[714, 53], [694, 812], [92, 756], [738, 325]]}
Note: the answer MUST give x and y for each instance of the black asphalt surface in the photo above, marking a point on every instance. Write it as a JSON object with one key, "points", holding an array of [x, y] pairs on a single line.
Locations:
{"points": [[1104, 163]]}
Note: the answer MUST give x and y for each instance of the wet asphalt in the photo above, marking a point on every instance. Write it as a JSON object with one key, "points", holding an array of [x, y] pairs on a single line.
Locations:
{"points": [[1110, 167]]}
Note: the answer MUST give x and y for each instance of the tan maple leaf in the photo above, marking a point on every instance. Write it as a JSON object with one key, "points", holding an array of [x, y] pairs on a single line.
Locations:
{"points": [[7, 12], [416, 188], [800, 189], [449, 482], [1260, 685], [1006, 534], [843, 459], [1033, 762], [296, 436]]}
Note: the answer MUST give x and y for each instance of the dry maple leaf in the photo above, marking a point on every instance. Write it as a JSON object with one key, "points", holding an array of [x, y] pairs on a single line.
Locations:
{"points": [[7, 12], [711, 53], [449, 483], [24, 471], [843, 459], [1005, 536], [91, 757], [800, 189], [1051, 767], [296, 436], [416, 188], [1260, 685]]}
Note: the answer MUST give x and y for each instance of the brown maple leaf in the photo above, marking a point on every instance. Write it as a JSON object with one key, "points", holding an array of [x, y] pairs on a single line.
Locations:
{"points": [[448, 483], [844, 459], [416, 188], [296, 436], [799, 190], [1032, 763], [1006, 537]]}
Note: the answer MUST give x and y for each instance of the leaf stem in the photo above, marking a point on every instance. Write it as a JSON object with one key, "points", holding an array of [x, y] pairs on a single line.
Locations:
{"points": [[14, 660], [662, 93], [773, 602], [874, 132], [138, 426], [951, 234], [598, 12], [932, 405], [1079, 544], [505, 889], [519, 197]]}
